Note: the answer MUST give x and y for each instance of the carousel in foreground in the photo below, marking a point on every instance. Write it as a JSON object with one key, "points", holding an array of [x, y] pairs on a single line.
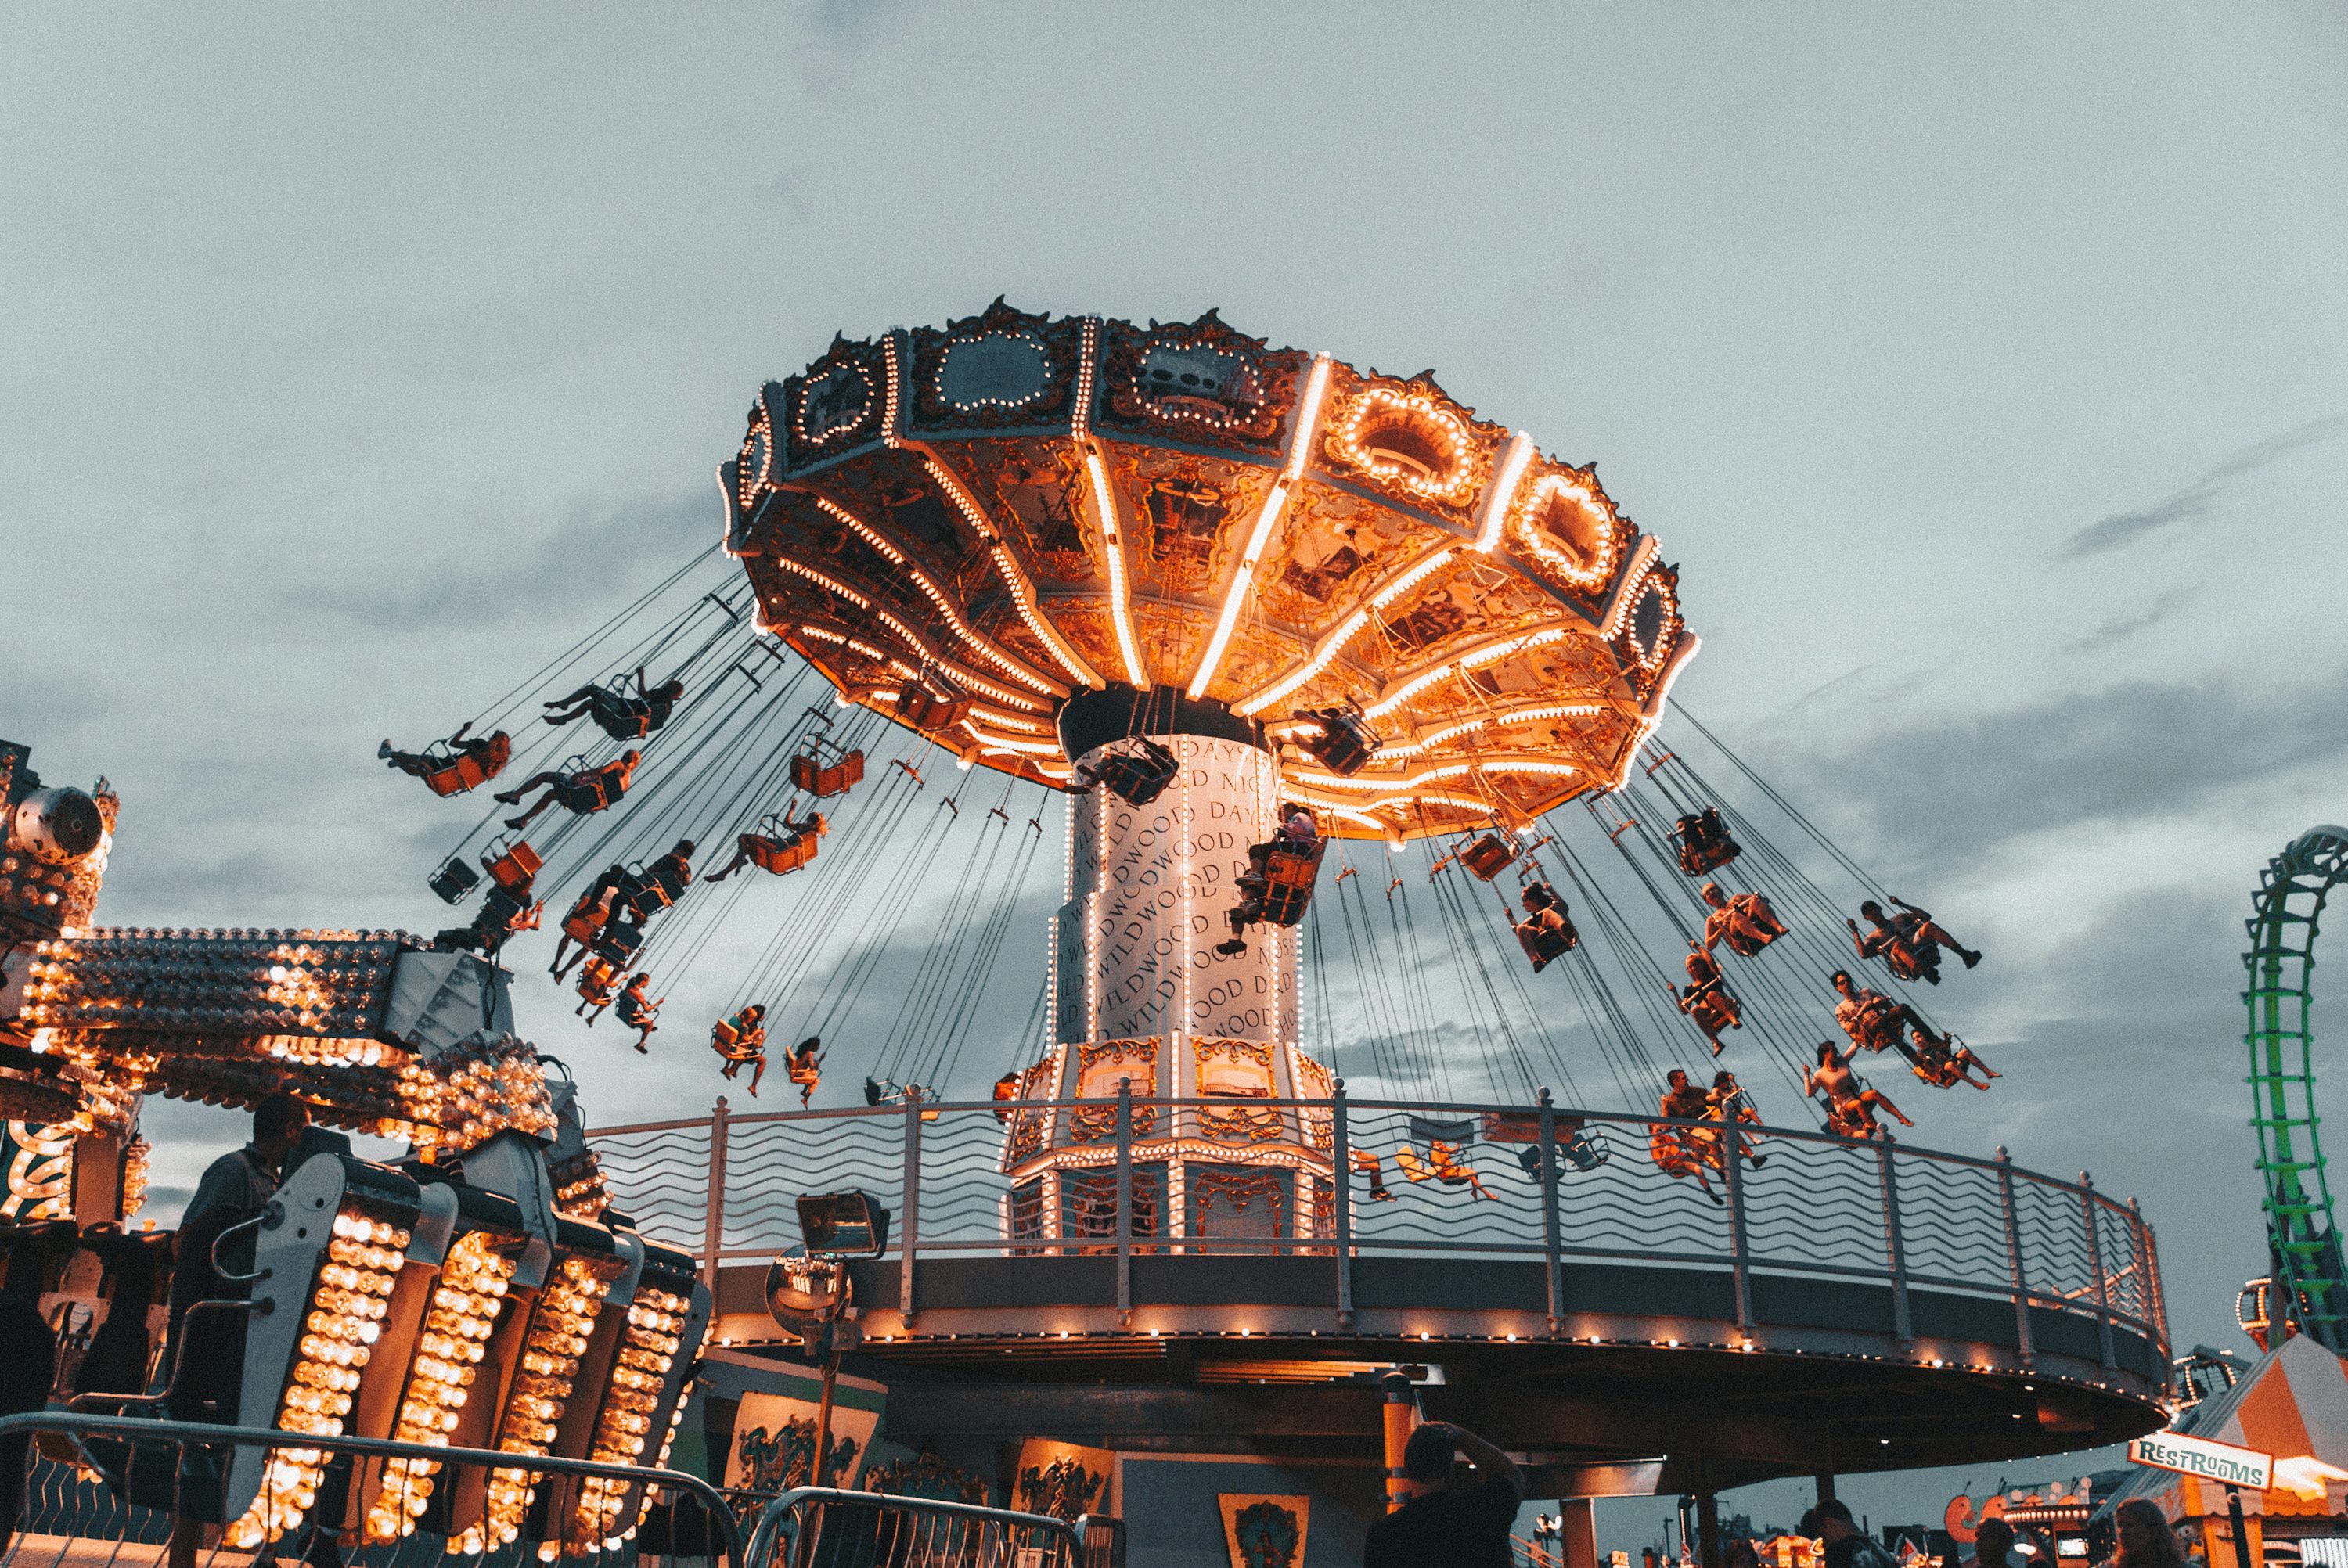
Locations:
{"points": [[1353, 706]]}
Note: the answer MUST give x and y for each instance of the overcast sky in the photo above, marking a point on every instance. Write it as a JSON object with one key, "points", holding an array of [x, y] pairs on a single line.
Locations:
{"points": [[1985, 368]]}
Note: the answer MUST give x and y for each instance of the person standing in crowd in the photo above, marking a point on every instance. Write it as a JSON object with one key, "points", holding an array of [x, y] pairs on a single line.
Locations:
{"points": [[26, 1372], [2147, 1538], [1846, 1546], [1993, 1539], [205, 1363], [1450, 1519]]}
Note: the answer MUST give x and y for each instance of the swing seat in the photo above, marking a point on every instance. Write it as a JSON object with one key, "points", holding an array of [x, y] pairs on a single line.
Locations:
{"points": [[510, 864], [810, 1077], [926, 710], [1543, 943], [453, 880], [1288, 872], [648, 896], [588, 918], [618, 945], [1487, 855], [1137, 779], [1914, 963], [1704, 844], [1407, 1161], [461, 770], [1343, 743], [781, 854], [599, 980], [812, 775], [595, 791]]}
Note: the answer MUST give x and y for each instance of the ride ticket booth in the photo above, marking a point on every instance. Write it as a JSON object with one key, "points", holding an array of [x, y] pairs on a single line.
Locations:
{"points": [[2275, 1444]]}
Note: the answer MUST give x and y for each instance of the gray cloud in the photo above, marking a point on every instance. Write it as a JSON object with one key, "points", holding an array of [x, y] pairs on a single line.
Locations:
{"points": [[592, 554], [2196, 501], [1941, 794], [2120, 628]]}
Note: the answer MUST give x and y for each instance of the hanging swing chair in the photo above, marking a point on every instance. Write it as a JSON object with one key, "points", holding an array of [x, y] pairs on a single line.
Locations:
{"points": [[824, 769], [1138, 776], [1487, 855], [1704, 842], [1340, 740]]}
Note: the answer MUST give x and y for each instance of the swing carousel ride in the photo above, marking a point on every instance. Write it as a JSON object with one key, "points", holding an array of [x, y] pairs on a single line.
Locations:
{"points": [[1351, 711]]}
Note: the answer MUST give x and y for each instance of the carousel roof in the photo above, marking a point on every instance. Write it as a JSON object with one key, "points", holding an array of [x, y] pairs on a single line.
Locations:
{"points": [[962, 527]]}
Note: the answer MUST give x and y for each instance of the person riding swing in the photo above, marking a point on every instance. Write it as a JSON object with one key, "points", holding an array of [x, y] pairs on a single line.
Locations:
{"points": [[632, 1009], [617, 714], [741, 1040], [1873, 1022], [583, 790], [803, 1068], [1743, 920], [1908, 943], [1705, 999], [1546, 930], [1278, 883], [790, 846], [456, 764], [1850, 1104]]}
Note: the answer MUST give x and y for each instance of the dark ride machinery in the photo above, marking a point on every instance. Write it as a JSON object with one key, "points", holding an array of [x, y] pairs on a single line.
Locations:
{"points": [[1194, 580]]}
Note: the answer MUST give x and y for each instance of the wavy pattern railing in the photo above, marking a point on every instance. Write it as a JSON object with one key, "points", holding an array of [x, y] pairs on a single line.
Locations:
{"points": [[724, 1186]]}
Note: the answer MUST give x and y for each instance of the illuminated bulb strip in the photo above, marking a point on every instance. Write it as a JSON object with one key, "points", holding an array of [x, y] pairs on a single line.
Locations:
{"points": [[559, 1324], [960, 672], [854, 645], [1682, 654], [448, 1350], [1524, 527], [1007, 721], [1120, 608], [1023, 594], [1406, 691], [1351, 812], [1308, 420], [980, 645], [1503, 490], [1641, 562], [1410, 577], [648, 1346], [342, 1322], [1366, 782], [829, 584], [1013, 743]]}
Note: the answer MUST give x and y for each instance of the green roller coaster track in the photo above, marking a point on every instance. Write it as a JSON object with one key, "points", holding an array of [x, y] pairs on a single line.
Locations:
{"points": [[2302, 1243]]}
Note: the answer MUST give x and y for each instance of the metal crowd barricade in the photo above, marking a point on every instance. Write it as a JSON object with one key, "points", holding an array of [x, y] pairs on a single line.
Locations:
{"points": [[112, 1503], [827, 1527]]}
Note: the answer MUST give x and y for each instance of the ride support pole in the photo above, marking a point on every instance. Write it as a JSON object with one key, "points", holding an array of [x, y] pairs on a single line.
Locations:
{"points": [[1400, 1415], [1577, 1532], [2241, 1527], [1707, 1518]]}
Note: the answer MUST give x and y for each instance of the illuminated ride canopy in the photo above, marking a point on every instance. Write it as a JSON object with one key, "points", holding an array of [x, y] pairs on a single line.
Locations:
{"points": [[963, 528]]}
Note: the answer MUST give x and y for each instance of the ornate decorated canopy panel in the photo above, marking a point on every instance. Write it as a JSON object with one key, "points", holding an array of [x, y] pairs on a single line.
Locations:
{"points": [[962, 527]]}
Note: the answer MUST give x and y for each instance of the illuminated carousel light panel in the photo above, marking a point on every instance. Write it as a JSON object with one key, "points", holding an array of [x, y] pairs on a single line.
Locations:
{"points": [[1014, 508]]}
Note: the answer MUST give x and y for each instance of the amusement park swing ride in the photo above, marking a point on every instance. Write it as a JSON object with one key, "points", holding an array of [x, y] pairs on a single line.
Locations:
{"points": [[1351, 712]]}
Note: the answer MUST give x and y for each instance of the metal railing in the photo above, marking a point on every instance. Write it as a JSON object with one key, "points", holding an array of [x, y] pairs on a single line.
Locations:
{"points": [[827, 1527], [1538, 1182], [129, 1479]]}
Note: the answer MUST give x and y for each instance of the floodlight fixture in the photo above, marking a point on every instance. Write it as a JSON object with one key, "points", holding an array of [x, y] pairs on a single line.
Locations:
{"points": [[843, 1224]]}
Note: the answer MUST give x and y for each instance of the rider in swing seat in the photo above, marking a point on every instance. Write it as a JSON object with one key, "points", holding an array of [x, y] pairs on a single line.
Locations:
{"points": [[633, 1010], [1944, 1061], [1909, 942], [1705, 999], [617, 714], [742, 1042], [768, 851], [802, 1068], [456, 764], [582, 792], [1546, 930], [1743, 920], [1872, 1020], [1684, 1150], [1850, 1104], [1298, 838]]}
